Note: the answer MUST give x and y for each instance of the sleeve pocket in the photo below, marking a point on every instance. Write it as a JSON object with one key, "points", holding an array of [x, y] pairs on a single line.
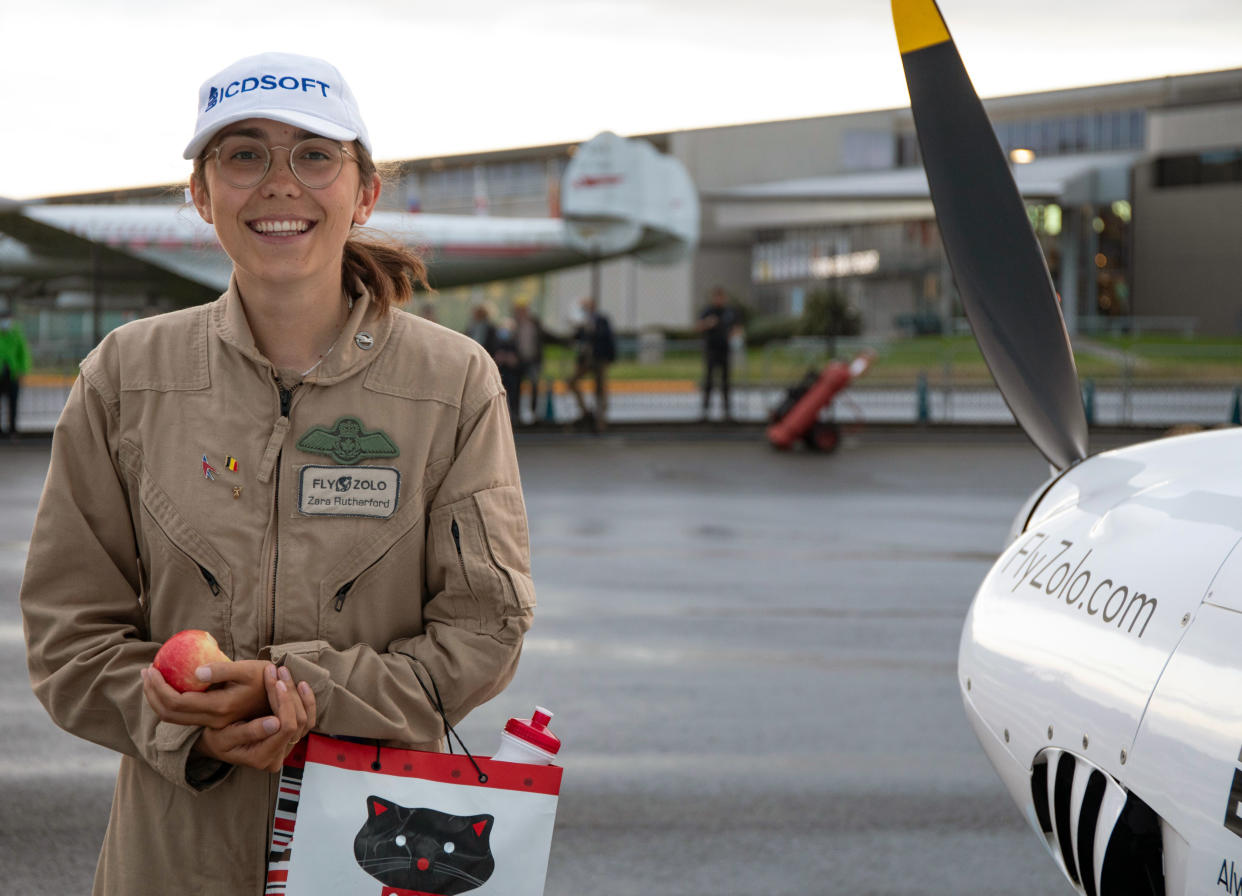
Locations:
{"points": [[482, 541], [504, 523]]}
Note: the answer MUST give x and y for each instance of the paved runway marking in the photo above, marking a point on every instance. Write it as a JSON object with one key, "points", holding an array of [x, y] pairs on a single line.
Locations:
{"points": [[22, 702], [27, 767]]}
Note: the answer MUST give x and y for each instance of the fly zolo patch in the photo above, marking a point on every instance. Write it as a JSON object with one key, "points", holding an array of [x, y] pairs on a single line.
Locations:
{"points": [[349, 491]]}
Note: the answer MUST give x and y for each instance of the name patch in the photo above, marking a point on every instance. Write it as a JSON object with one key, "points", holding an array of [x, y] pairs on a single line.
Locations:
{"points": [[349, 491]]}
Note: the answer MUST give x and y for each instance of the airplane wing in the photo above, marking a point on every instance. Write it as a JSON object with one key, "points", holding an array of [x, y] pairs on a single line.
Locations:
{"points": [[618, 197], [48, 243]]}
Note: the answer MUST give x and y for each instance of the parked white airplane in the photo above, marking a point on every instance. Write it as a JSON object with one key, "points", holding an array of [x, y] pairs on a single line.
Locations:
{"points": [[1098, 662], [618, 197]]}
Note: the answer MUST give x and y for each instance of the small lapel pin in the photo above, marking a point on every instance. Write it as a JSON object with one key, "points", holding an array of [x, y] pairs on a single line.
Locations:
{"points": [[209, 472], [236, 491], [231, 463]]}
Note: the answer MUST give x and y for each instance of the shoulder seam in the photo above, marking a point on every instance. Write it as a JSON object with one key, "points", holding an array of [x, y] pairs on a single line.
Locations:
{"points": [[92, 379]]}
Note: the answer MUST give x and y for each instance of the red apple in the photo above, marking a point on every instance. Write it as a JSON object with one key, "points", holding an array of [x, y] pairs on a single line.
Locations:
{"points": [[182, 654]]}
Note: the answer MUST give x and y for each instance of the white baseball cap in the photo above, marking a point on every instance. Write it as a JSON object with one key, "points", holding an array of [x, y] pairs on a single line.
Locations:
{"points": [[299, 90]]}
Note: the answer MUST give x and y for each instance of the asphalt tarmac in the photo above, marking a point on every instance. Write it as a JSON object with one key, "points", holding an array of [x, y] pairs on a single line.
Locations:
{"points": [[751, 657]]}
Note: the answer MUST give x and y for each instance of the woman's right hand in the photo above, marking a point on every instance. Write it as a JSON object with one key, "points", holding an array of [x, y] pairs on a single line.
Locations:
{"points": [[239, 693], [263, 743]]}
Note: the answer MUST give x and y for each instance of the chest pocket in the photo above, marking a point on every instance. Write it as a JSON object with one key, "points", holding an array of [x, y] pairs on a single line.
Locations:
{"points": [[186, 582], [375, 593]]}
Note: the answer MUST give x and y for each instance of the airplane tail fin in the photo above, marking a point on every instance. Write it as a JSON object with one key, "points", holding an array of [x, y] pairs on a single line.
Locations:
{"points": [[620, 195]]}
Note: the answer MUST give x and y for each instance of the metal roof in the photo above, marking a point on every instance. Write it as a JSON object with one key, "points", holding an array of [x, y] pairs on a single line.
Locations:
{"points": [[1046, 178]]}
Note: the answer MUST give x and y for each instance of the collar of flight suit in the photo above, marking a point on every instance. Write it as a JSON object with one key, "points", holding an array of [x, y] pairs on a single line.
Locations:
{"points": [[360, 341]]}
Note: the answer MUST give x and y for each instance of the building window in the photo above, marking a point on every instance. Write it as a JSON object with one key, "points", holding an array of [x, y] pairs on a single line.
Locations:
{"points": [[869, 150], [448, 187], [908, 155], [1221, 166], [1119, 129], [810, 256]]}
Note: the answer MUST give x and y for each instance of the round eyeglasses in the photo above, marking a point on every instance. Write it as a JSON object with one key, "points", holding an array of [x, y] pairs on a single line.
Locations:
{"points": [[244, 161]]}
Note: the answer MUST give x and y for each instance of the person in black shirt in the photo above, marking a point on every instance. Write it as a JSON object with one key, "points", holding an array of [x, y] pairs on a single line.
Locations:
{"points": [[481, 329], [718, 323], [505, 354], [595, 348]]}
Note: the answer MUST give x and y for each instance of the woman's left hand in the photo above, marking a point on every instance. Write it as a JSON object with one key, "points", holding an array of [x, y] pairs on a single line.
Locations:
{"points": [[264, 743]]}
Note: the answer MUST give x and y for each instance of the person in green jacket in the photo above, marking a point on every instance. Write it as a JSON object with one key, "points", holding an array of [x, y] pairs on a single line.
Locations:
{"points": [[14, 364]]}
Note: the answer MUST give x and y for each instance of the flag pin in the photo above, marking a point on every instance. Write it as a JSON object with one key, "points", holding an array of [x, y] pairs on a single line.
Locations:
{"points": [[231, 463], [209, 472]]}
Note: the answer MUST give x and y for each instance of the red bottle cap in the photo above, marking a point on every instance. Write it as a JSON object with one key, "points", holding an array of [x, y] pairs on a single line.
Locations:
{"points": [[535, 731]]}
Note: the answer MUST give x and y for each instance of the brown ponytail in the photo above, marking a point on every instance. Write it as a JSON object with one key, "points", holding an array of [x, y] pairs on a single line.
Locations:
{"points": [[388, 270]]}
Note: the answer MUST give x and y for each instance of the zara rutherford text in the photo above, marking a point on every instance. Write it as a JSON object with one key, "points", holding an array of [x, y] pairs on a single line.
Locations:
{"points": [[340, 501]]}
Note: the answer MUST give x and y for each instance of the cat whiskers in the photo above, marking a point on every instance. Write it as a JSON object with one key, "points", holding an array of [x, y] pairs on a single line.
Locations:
{"points": [[386, 863], [449, 870]]}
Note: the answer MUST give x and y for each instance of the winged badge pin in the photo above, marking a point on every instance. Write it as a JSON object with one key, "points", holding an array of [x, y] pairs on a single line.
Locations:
{"points": [[347, 442]]}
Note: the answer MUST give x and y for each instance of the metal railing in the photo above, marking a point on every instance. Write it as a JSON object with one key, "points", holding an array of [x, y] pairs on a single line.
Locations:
{"points": [[1147, 385]]}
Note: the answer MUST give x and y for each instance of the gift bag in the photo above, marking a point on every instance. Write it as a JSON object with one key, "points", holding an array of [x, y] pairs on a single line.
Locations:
{"points": [[355, 818]]}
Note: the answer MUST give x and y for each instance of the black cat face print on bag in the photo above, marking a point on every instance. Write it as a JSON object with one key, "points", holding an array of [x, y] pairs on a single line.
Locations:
{"points": [[422, 850]]}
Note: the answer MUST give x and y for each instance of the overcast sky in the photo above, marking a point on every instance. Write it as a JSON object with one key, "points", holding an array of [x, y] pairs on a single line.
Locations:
{"points": [[98, 94]]}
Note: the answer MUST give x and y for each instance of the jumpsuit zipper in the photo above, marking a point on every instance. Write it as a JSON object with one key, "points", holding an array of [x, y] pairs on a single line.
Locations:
{"points": [[339, 603], [210, 579], [461, 561], [286, 399]]}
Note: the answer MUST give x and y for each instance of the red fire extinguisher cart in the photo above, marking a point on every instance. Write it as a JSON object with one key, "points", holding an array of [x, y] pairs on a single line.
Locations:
{"points": [[798, 416]]}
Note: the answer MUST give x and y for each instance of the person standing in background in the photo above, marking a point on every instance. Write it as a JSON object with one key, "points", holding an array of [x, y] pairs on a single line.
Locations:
{"points": [[505, 354], [531, 338], [481, 329], [594, 349], [718, 323], [14, 364]]}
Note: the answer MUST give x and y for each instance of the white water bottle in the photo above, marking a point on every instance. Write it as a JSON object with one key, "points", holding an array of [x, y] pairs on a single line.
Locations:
{"points": [[528, 740]]}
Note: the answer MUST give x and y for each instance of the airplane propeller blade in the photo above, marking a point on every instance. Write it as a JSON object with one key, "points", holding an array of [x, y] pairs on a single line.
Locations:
{"points": [[1001, 273]]}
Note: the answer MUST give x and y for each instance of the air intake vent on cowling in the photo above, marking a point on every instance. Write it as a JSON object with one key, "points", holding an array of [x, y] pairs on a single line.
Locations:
{"points": [[1106, 840]]}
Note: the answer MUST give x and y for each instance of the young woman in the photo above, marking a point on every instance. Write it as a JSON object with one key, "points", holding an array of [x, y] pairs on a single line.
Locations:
{"points": [[324, 483]]}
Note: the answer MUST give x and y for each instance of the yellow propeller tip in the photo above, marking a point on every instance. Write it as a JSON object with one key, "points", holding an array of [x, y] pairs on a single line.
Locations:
{"points": [[918, 24]]}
